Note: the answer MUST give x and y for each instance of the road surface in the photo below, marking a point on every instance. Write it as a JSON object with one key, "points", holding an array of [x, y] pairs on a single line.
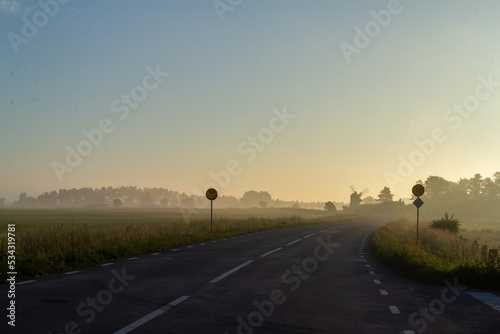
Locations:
{"points": [[314, 279]]}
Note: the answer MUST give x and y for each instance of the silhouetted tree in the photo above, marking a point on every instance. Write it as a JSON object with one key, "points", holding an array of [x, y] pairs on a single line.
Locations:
{"points": [[385, 195], [253, 198], [147, 199], [330, 207], [436, 186], [117, 203]]}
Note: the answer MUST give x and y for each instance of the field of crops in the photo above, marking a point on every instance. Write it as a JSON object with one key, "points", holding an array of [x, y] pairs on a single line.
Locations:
{"points": [[49, 241]]}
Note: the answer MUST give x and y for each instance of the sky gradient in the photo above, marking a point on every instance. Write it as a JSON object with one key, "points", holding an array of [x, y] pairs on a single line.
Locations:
{"points": [[297, 98]]}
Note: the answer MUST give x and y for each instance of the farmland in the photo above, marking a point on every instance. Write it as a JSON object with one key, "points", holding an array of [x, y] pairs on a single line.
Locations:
{"points": [[55, 240]]}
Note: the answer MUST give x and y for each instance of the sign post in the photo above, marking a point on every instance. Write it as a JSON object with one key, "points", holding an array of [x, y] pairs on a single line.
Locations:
{"points": [[211, 195], [418, 190]]}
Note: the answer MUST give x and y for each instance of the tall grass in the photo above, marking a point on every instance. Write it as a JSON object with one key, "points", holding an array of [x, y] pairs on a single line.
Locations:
{"points": [[438, 255], [61, 247]]}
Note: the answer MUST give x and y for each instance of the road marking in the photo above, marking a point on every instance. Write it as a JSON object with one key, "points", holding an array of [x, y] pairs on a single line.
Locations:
{"points": [[487, 298], [155, 254], [323, 231], [190, 246], [372, 272], [174, 250], [376, 281], [266, 254], [106, 264], [71, 272], [384, 292], [25, 282], [203, 244], [133, 258], [221, 277], [291, 243], [408, 332], [309, 235], [214, 241], [151, 316], [394, 310], [368, 266]]}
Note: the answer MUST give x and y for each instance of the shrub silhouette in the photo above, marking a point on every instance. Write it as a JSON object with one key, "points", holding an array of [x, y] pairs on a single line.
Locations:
{"points": [[447, 223]]}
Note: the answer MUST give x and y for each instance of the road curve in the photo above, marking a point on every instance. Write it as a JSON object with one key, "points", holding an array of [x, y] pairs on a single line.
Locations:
{"points": [[314, 279]]}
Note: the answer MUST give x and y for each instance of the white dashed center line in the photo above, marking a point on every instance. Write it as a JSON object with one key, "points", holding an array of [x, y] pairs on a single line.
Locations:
{"points": [[151, 316], [309, 235], [291, 243], [221, 277], [394, 310], [268, 253]]}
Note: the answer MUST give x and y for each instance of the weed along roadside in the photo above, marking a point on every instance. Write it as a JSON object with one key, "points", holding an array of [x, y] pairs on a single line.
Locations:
{"points": [[441, 253]]}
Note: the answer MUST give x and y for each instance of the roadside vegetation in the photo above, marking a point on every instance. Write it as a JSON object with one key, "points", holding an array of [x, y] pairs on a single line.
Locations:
{"points": [[54, 241], [441, 253]]}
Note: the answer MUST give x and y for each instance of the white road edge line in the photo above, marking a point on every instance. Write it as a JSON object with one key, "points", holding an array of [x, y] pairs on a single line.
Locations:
{"points": [[489, 299], [291, 243], [227, 273], [25, 282], [151, 316], [268, 253]]}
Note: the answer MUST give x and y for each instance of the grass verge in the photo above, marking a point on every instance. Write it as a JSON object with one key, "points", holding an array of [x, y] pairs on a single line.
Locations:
{"points": [[438, 255], [67, 246]]}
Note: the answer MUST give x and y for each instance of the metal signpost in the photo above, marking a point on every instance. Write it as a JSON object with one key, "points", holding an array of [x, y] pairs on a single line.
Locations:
{"points": [[418, 190], [211, 195]]}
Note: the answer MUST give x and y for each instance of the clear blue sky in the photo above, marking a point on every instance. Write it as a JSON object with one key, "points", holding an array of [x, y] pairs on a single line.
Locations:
{"points": [[352, 115]]}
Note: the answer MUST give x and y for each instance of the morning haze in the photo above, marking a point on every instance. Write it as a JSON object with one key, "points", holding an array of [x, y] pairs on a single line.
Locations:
{"points": [[295, 99]]}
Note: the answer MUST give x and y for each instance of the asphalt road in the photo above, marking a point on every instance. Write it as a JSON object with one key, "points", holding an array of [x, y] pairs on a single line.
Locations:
{"points": [[315, 279]]}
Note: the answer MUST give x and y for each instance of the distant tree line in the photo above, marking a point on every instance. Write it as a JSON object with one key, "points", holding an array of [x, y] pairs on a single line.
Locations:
{"points": [[476, 188], [149, 197]]}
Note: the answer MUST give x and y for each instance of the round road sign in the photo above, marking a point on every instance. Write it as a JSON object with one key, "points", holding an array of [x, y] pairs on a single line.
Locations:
{"points": [[418, 190], [211, 194]]}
